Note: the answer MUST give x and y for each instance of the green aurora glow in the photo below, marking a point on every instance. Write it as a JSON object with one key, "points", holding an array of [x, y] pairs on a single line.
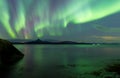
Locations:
{"points": [[27, 19]]}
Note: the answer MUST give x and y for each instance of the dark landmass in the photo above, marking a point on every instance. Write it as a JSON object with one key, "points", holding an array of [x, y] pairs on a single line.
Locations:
{"points": [[38, 41], [8, 53]]}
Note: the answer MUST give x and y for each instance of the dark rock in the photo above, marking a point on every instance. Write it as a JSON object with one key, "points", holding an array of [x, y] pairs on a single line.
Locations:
{"points": [[8, 53], [115, 67]]}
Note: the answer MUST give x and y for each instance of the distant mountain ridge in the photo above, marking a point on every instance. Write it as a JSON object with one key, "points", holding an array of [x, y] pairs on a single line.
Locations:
{"points": [[39, 41]]}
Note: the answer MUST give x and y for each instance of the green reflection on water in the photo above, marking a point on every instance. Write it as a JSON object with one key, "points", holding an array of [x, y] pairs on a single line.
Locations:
{"points": [[66, 61]]}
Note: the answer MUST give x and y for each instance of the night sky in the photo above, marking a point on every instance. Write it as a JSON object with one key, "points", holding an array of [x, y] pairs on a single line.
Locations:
{"points": [[75, 20]]}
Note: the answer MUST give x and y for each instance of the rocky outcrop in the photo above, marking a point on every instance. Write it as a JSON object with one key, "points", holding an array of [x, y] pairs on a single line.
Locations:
{"points": [[8, 53]]}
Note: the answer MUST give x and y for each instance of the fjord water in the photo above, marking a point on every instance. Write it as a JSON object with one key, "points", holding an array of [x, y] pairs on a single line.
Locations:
{"points": [[64, 61]]}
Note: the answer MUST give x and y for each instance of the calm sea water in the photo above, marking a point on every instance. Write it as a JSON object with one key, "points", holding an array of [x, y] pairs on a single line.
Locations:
{"points": [[65, 61]]}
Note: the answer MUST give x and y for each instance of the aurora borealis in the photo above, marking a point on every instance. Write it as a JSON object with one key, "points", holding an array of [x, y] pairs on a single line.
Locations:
{"points": [[52, 19]]}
